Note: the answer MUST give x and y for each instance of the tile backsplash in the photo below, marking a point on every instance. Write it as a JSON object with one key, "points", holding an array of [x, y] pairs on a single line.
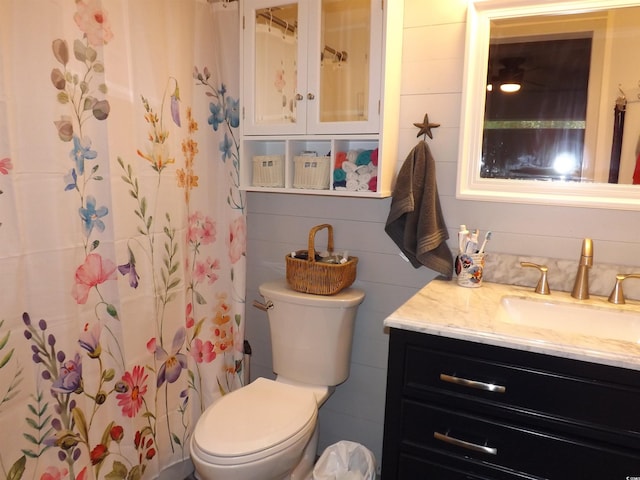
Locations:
{"points": [[504, 268]]}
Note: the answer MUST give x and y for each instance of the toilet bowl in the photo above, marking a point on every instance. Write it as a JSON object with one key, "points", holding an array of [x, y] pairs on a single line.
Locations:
{"points": [[259, 431], [267, 430]]}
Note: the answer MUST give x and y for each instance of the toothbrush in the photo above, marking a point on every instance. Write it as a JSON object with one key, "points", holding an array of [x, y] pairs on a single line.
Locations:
{"points": [[472, 244], [487, 237]]}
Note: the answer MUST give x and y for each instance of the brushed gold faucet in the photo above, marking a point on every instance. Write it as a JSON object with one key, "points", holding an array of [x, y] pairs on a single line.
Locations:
{"points": [[617, 295], [581, 284]]}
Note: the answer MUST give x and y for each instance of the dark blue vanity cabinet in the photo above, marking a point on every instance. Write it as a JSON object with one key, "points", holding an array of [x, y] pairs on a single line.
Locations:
{"points": [[459, 410]]}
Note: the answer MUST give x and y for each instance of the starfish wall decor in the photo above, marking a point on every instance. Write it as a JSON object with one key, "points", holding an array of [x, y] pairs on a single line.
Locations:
{"points": [[425, 127]]}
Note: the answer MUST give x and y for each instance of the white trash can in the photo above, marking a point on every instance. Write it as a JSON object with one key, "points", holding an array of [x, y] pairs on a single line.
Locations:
{"points": [[345, 461]]}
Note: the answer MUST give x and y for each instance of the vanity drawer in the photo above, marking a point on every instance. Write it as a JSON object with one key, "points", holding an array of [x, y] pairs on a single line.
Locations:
{"points": [[438, 467], [579, 393], [479, 442]]}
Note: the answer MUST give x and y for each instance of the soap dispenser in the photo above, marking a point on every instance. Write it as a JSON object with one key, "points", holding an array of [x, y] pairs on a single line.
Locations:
{"points": [[581, 285]]}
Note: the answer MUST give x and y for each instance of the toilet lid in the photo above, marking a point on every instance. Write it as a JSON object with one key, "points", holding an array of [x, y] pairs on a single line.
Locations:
{"points": [[254, 418]]}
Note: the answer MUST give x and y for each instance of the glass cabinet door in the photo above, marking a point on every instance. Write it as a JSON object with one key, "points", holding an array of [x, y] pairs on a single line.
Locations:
{"points": [[274, 76], [276, 64], [347, 99], [344, 60]]}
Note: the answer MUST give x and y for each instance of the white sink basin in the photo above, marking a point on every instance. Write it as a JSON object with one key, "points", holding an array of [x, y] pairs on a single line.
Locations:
{"points": [[588, 320]]}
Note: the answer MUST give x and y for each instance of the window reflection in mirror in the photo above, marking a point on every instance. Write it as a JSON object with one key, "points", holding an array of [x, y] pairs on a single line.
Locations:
{"points": [[536, 107], [344, 67], [539, 82], [276, 64]]}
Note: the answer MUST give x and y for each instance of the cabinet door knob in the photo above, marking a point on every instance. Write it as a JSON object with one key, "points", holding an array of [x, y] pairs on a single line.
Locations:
{"points": [[490, 387], [299, 97], [310, 96]]}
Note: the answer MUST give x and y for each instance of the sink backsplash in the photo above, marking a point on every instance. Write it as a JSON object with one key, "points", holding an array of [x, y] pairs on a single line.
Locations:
{"points": [[505, 268]]}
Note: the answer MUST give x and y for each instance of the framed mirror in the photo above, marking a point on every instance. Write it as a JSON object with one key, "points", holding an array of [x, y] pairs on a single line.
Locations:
{"points": [[551, 103]]}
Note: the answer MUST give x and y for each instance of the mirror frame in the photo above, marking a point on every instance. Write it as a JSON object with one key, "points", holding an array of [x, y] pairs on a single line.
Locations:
{"points": [[470, 186]]}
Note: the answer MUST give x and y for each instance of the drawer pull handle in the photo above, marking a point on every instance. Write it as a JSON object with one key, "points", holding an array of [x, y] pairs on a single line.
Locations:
{"points": [[490, 387], [468, 445]]}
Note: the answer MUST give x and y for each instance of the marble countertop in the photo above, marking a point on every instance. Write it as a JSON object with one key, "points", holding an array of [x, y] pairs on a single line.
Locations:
{"points": [[443, 308]]}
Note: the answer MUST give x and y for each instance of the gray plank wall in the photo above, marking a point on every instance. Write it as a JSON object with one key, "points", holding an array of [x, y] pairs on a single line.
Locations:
{"points": [[431, 82]]}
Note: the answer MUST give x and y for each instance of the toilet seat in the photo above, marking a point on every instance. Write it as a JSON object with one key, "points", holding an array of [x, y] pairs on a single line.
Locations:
{"points": [[254, 422]]}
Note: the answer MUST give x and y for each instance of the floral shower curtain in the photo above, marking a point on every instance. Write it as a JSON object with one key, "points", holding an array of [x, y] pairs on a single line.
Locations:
{"points": [[122, 232]]}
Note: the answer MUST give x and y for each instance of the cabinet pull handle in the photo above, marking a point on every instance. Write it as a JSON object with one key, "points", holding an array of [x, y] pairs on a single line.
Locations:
{"points": [[468, 445], [299, 97], [489, 387], [310, 96]]}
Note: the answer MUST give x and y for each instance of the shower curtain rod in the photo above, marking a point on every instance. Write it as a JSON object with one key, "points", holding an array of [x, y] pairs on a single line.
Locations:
{"points": [[292, 27], [340, 56]]}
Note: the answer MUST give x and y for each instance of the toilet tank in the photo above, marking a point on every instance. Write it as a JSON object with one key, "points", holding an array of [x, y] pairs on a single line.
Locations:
{"points": [[311, 335]]}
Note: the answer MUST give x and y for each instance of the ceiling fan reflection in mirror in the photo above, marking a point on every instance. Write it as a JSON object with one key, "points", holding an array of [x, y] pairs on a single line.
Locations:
{"points": [[513, 73]]}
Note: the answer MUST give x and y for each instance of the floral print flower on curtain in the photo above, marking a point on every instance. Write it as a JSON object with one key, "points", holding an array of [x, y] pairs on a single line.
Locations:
{"points": [[225, 111], [132, 389], [93, 20], [162, 252]]}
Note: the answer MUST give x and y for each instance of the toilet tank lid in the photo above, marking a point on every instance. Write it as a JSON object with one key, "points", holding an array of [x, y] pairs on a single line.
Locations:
{"points": [[280, 290], [258, 416]]}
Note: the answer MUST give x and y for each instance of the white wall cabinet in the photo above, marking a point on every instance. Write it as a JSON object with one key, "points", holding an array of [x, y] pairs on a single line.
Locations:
{"points": [[320, 83]]}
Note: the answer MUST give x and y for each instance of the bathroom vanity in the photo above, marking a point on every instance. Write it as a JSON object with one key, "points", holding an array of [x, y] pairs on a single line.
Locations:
{"points": [[474, 394]]}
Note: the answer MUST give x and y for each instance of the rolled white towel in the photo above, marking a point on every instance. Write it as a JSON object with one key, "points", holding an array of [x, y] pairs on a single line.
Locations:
{"points": [[352, 156], [349, 166], [352, 185], [364, 178], [352, 176], [363, 187]]}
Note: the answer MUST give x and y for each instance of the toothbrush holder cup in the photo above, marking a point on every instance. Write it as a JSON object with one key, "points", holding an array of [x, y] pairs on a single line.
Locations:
{"points": [[469, 268]]}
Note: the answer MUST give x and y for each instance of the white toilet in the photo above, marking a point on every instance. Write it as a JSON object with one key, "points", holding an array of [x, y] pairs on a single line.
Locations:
{"points": [[267, 430]]}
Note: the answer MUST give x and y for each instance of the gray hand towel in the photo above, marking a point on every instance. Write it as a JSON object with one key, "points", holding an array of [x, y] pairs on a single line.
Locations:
{"points": [[415, 222]]}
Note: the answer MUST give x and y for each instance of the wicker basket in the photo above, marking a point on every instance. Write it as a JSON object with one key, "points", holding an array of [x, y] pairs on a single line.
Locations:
{"points": [[311, 172], [310, 276], [268, 171]]}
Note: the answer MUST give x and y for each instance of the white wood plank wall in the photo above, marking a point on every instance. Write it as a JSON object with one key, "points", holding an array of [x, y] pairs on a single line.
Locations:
{"points": [[432, 77]]}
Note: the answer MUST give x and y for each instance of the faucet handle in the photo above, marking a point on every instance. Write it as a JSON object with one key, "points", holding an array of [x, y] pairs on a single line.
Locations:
{"points": [[617, 295], [543, 285]]}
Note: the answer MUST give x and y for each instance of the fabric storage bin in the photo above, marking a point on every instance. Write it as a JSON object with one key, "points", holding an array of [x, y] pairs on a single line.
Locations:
{"points": [[311, 172], [268, 171]]}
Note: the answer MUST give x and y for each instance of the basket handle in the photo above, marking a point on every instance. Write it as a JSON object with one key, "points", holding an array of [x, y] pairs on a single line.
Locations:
{"points": [[312, 235]]}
